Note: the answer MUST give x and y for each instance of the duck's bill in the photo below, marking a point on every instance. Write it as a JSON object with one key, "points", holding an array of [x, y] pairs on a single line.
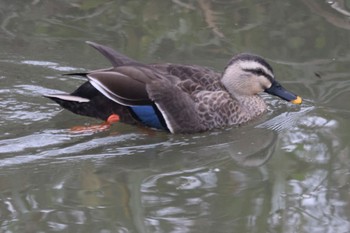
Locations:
{"points": [[277, 90]]}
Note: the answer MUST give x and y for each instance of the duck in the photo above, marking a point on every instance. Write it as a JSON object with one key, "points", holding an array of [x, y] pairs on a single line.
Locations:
{"points": [[177, 98]]}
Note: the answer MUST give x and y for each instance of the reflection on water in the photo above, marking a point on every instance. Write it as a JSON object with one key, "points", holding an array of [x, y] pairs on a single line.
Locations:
{"points": [[335, 12], [287, 172], [151, 190], [94, 187]]}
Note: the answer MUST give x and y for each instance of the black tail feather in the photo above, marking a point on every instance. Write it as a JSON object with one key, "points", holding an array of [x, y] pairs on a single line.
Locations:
{"points": [[117, 59], [82, 74]]}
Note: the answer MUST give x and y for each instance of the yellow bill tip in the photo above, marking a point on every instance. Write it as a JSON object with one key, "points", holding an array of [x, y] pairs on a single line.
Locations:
{"points": [[298, 100]]}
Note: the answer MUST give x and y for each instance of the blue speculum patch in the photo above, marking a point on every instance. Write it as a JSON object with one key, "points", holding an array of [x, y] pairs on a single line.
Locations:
{"points": [[148, 116]]}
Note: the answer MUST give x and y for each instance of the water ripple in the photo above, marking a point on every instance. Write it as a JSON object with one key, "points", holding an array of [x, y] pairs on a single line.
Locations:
{"points": [[50, 65]]}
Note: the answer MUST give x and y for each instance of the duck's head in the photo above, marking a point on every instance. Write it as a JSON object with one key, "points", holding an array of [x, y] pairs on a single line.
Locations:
{"points": [[248, 75]]}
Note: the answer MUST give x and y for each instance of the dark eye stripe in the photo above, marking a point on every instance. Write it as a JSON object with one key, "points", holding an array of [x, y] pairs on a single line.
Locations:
{"points": [[259, 71]]}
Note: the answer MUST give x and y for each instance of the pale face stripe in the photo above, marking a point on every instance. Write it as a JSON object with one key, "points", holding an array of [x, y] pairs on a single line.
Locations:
{"points": [[254, 65]]}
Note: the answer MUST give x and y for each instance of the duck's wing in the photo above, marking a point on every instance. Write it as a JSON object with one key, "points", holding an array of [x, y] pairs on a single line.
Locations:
{"points": [[116, 58], [142, 88], [125, 85], [176, 105]]}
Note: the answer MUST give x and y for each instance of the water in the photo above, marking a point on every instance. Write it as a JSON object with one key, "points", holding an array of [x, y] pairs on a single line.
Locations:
{"points": [[287, 172]]}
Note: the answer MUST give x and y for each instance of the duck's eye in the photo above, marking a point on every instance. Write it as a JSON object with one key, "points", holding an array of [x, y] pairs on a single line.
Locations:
{"points": [[260, 72], [257, 71]]}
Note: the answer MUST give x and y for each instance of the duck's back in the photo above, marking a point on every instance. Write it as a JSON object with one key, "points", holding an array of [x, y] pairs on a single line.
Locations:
{"points": [[207, 78]]}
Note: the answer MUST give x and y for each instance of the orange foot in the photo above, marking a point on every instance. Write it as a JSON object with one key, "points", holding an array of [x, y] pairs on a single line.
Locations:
{"points": [[113, 118]]}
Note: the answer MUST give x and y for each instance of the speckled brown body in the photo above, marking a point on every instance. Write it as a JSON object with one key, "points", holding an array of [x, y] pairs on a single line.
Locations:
{"points": [[219, 110], [176, 97], [209, 105]]}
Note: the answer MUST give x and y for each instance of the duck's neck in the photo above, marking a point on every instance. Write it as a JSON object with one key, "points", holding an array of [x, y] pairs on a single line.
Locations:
{"points": [[252, 106]]}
